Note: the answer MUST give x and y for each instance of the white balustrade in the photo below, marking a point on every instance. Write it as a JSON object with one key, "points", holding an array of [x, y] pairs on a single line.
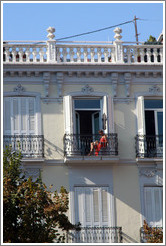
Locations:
{"points": [[83, 53]]}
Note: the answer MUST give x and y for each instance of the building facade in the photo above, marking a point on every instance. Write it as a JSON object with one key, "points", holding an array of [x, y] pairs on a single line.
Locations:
{"points": [[57, 96]]}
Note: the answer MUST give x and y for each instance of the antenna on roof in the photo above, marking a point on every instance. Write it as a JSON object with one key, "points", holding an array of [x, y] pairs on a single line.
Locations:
{"points": [[136, 33]]}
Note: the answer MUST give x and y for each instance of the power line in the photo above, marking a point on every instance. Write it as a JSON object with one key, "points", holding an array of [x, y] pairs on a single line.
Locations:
{"points": [[99, 30]]}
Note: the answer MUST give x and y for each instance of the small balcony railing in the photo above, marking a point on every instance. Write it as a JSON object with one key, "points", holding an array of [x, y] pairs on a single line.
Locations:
{"points": [[95, 235], [29, 145], [79, 145], [149, 146], [144, 237]]}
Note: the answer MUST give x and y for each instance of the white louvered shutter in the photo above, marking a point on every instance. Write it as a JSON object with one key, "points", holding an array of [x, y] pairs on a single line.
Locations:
{"points": [[23, 115], [110, 115], [31, 114], [104, 197], [16, 116], [68, 114], [104, 111], [88, 206], [140, 115], [96, 205], [7, 116]]}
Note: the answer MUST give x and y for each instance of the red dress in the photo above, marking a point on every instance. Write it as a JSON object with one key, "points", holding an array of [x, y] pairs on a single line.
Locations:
{"points": [[101, 144]]}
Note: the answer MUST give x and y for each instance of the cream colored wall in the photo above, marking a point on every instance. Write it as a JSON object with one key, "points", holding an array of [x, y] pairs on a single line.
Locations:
{"points": [[127, 201]]}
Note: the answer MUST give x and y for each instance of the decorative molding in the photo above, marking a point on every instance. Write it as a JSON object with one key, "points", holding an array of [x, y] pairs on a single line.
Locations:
{"points": [[127, 78], [60, 79], [114, 80], [19, 89], [155, 90], [87, 89], [123, 100], [148, 172], [46, 80]]}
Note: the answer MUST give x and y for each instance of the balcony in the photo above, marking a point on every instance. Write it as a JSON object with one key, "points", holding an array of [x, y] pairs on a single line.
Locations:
{"points": [[149, 146], [29, 145], [77, 147], [95, 235], [144, 237], [74, 53]]}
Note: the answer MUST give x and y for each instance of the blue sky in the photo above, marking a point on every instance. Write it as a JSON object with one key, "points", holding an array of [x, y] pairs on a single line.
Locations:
{"points": [[29, 21]]}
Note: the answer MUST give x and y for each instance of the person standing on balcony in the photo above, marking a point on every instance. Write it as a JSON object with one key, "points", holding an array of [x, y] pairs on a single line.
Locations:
{"points": [[97, 145]]}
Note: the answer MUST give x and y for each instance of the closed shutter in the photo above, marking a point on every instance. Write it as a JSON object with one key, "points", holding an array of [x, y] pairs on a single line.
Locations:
{"points": [[104, 111], [104, 196], [153, 205], [31, 113], [110, 115], [7, 116], [16, 116], [96, 205], [23, 115]]}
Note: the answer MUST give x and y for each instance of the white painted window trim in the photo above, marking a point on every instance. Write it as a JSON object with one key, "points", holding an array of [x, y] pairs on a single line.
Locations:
{"points": [[72, 203], [69, 109], [37, 97]]}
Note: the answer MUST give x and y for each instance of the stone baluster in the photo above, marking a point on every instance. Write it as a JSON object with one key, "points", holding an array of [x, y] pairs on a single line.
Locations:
{"points": [[51, 52], [128, 53], [14, 53], [118, 45], [20, 53], [58, 53], [92, 54], [148, 55], [136, 52], [64, 52], [41, 54], [99, 53], [34, 52], [7, 53], [161, 54], [142, 54], [27, 53], [85, 54], [71, 55], [112, 54], [105, 55], [155, 55], [78, 55]]}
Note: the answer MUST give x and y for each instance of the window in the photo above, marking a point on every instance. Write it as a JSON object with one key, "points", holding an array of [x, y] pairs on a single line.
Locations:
{"points": [[153, 202], [92, 206], [20, 116], [150, 126]]}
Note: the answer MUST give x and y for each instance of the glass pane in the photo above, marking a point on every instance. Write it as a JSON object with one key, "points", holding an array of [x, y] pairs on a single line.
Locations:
{"points": [[87, 104], [160, 122], [151, 103]]}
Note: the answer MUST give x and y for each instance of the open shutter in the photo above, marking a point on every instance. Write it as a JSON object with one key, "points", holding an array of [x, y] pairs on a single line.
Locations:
{"points": [[104, 115], [110, 115], [68, 114], [7, 116], [140, 115]]}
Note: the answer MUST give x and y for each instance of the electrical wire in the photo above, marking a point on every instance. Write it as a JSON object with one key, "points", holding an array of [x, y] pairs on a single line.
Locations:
{"points": [[99, 30]]}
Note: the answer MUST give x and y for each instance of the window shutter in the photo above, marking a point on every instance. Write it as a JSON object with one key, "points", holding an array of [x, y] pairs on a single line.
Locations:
{"points": [[96, 205], [105, 112], [110, 115], [148, 205], [31, 106], [104, 205], [16, 116], [87, 205], [23, 116], [68, 114], [140, 115], [79, 205], [7, 116]]}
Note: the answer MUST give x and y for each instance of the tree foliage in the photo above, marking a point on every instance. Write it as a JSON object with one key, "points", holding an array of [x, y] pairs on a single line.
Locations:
{"points": [[31, 213], [153, 234]]}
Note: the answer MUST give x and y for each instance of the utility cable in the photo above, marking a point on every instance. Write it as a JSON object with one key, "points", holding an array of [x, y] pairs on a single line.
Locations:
{"points": [[99, 30]]}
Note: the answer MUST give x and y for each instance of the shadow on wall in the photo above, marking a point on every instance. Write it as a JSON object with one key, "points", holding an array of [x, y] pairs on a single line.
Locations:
{"points": [[127, 238], [51, 149]]}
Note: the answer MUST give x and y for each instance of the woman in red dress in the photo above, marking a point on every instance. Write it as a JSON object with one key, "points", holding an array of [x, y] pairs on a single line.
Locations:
{"points": [[97, 145]]}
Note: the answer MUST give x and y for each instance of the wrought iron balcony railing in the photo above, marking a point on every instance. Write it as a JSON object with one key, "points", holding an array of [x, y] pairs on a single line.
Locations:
{"points": [[95, 235], [144, 237], [29, 145], [79, 145], [149, 146]]}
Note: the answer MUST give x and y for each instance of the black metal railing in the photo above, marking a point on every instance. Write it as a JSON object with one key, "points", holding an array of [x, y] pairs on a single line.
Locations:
{"points": [[149, 146], [95, 235], [76, 145], [29, 145], [144, 237]]}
